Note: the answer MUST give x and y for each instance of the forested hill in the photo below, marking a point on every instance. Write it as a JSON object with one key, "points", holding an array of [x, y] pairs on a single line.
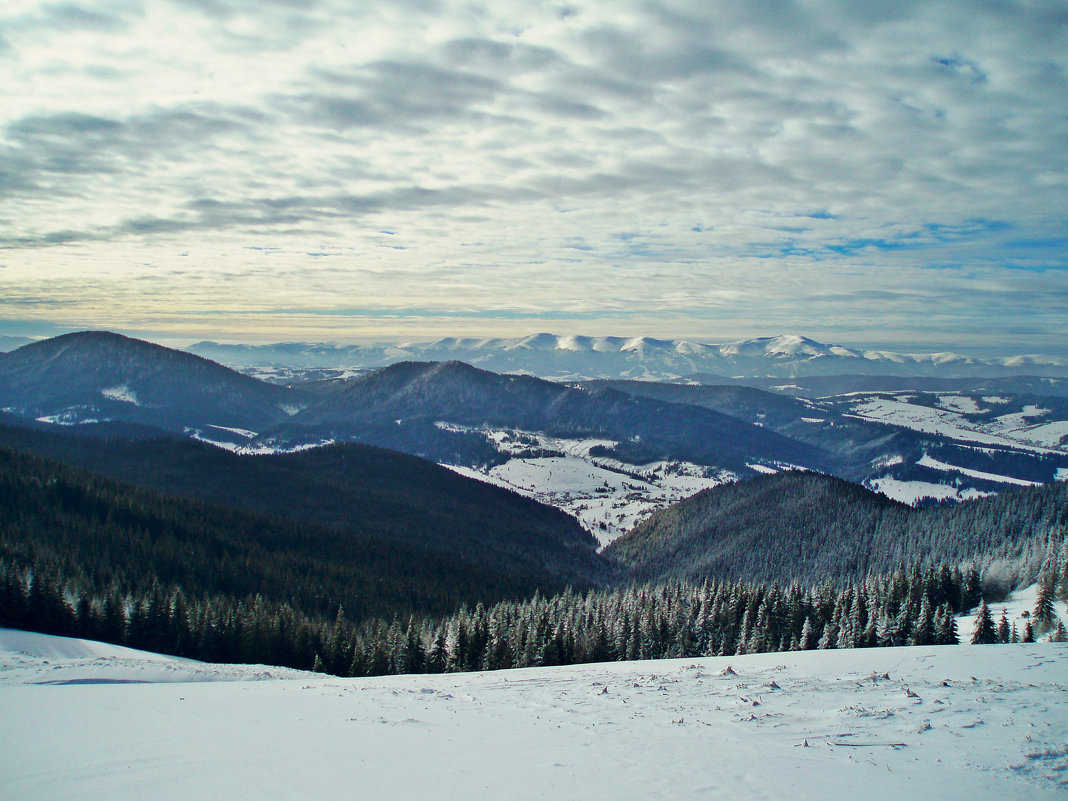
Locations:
{"points": [[807, 527], [98, 375], [401, 405], [101, 538], [354, 489]]}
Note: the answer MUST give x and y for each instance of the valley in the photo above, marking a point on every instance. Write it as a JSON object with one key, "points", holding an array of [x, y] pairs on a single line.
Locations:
{"points": [[608, 452], [532, 545]]}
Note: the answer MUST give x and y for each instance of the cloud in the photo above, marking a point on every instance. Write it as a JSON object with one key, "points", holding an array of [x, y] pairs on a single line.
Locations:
{"points": [[769, 154]]}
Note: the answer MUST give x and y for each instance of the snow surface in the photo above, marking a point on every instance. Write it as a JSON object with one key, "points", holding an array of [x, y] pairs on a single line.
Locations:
{"points": [[1017, 608], [934, 464], [66, 420], [976, 722], [912, 492], [606, 496], [762, 468], [1022, 429], [242, 447], [121, 393], [959, 403]]}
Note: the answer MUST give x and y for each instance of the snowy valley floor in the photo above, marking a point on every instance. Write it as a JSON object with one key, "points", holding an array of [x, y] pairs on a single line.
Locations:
{"points": [[89, 721]]}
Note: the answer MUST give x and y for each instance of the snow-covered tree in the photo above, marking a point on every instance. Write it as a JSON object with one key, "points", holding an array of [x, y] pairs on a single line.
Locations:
{"points": [[984, 632]]}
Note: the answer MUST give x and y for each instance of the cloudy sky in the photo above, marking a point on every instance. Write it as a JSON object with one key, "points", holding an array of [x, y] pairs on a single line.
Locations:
{"points": [[859, 172]]}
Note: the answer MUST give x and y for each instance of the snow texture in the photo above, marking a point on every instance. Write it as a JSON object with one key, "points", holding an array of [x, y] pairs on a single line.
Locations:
{"points": [[87, 721], [912, 492], [1022, 430], [121, 393], [934, 464], [606, 496]]}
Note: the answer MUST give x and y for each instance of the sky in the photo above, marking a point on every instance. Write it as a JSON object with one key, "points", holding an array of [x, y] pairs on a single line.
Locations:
{"points": [[876, 173]]}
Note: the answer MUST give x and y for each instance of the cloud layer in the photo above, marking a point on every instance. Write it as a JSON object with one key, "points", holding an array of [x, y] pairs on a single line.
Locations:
{"points": [[892, 172]]}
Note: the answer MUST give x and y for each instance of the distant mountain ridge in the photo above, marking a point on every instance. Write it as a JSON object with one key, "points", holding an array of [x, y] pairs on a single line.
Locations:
{"points": [[408, 402], [584, 357], [8, 343], [604, 450]]}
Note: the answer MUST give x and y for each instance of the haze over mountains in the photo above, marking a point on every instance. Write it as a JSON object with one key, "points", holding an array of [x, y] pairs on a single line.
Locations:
{"points": [[582, 357]]}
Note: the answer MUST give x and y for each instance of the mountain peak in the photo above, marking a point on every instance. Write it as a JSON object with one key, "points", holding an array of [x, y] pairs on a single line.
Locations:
{"points": [[101, 375]]}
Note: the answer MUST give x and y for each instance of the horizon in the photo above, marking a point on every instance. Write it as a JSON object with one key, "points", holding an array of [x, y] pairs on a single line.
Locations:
{"points": [[711, 172], [185, 343]]}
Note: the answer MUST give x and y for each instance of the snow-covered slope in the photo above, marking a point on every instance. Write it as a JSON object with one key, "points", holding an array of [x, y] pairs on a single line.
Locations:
{"points": [[606, 496], [984, 421], [979, 722]]}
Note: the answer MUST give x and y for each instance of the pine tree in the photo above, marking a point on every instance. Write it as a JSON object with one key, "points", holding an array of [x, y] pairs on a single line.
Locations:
{"points": [[984, 632], [945, 628], [1003, 629], [1028, 633], [1044, 612], [923, 627], [439, 654]]}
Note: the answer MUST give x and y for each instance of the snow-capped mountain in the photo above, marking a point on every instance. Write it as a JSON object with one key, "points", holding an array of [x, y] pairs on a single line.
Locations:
{"points": [[584, 357]]}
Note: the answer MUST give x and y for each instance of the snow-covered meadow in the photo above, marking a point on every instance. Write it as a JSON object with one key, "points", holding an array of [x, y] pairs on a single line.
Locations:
{"points": [[90, 721], [960, 417], [606, 496]]}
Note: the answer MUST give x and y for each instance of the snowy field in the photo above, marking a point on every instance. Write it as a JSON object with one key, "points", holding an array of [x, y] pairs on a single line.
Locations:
{"points": [[912, 492], [1029, 429], [606, 496], [90, 721]]}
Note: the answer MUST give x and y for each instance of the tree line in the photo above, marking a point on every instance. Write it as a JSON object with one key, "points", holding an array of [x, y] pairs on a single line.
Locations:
{"points": [[914, 606]]}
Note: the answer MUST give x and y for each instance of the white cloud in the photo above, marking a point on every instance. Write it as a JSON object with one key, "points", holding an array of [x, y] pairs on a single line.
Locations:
{"points": [[681, 167]]}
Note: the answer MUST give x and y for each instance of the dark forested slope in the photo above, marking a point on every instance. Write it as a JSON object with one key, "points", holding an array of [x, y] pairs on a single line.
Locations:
{"points": [[402, 405], [357, 489], [808, 527], [99, 535]]}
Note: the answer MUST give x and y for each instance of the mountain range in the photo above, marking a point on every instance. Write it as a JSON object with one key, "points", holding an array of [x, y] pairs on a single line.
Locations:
{"points": [[581, 357], [607, 452], [291, 539]]}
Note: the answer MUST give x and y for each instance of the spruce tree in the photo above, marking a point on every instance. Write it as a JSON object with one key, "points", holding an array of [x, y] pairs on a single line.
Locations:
{"points": [[945, 626], [1003, 629], [1044, 612], [1028, 633], [808, 635], [923, 627], [984, 632], [970, 593]]}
